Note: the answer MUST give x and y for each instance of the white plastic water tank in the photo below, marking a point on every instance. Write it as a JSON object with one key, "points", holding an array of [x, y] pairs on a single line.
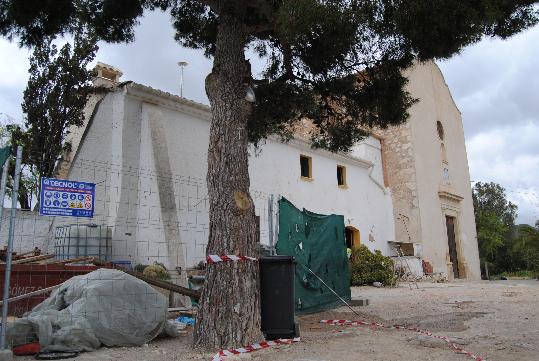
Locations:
{"points": [[79, 240]]}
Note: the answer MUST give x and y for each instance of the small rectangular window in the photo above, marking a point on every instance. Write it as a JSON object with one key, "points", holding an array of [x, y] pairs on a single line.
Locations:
{"points": [[306, 166], [341, 176]]}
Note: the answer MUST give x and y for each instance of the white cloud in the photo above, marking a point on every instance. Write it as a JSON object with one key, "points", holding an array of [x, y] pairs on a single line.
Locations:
{"points": [[509, 156], [495, 82], [152, 58], [14, 69], [13, 77]]}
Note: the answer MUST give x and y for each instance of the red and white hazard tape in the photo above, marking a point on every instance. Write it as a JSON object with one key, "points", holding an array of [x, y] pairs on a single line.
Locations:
{"points": [[254, 347], [213, 258], [455, 347]]}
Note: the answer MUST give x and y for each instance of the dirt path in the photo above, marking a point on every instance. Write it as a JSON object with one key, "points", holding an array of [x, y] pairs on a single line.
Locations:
{"points": [[499, 320], [495, 320]]}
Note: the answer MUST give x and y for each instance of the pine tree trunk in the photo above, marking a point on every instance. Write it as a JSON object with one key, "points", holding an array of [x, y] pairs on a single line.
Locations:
{"points": [[229, 313]]}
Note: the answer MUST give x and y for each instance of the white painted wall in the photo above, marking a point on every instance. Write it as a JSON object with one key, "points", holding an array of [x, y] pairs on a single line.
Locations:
{"points": [[409, 264], [276, 170], [31, 230], [153, 148]]}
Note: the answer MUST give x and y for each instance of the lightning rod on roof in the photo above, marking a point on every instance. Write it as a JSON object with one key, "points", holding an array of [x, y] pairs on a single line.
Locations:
{"points": [[182, 65]]}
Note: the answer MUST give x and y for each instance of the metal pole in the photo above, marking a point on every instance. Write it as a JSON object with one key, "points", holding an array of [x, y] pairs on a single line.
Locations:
{"points": [[270, 224], [182, 65], [33, 293], [7, 278], [277, 215], [3, 189], [181, 83], [332, 290]]}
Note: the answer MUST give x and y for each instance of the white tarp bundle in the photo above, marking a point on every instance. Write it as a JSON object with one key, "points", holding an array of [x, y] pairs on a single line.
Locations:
{"points": [[106, 307]]}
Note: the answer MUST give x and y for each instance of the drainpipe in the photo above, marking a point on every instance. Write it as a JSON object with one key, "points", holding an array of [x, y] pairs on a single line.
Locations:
{"points": [[371, 168]]}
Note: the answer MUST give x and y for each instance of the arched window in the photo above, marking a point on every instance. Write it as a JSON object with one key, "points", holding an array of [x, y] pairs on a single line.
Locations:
{"points": [[440, 130]]}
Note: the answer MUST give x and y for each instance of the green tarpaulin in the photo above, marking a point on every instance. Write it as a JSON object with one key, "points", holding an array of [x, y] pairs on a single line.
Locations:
{"points": [[316, 241], [4, 155]]}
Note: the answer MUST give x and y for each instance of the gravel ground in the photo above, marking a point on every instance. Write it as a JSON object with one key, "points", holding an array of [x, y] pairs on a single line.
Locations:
{"points": [[496, 320]]}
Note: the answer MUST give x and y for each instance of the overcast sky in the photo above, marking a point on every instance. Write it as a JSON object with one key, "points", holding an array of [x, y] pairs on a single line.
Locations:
{"points": [[495, 84]]}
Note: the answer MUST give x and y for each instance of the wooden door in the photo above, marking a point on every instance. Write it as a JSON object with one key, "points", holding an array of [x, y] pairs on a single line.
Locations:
{"points": [[352, 237], [453, 256]]}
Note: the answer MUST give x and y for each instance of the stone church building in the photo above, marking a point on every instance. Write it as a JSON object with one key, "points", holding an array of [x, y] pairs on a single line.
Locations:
{"points": [[426, 169], [146, 151]]}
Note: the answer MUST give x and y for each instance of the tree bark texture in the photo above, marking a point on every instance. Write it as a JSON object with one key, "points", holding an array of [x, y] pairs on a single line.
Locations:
{"points": [[229, 312]]}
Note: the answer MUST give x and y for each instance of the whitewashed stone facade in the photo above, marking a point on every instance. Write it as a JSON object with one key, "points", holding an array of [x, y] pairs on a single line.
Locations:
{"points": [[152, 148], [146, 151], [427, 171]]}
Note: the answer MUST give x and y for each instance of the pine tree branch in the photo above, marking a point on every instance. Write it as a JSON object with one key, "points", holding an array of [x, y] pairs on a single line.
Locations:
{"points": [[261, 28], [287, 60], [210, 3]]}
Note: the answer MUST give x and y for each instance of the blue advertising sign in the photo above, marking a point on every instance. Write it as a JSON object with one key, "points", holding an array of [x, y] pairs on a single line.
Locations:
{"points": [[60, 197]]}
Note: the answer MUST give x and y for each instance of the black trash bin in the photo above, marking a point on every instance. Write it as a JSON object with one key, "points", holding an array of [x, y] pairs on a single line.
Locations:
{"points": [[277, 297]]}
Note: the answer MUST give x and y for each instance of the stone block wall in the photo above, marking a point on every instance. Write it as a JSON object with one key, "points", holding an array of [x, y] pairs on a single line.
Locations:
{"points": [[400, 177]]}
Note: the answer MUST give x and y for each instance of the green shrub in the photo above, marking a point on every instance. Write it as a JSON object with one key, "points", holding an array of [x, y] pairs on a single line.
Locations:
{"points": [[519, 274], [367, 267], [157, 271], [140, 267]]}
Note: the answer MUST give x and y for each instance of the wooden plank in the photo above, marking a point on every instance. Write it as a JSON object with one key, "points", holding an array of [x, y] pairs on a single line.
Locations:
{"points": [[19, 255], [178, 309], [72, 260], [34, 259], [158, 283]]}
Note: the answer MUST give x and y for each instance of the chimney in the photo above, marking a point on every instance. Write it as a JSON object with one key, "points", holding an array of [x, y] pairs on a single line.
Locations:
{"points": [[107, 75]]}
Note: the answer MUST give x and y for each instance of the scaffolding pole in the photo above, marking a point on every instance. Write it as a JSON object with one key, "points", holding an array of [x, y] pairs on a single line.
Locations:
{"points": [[9, 251]]}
